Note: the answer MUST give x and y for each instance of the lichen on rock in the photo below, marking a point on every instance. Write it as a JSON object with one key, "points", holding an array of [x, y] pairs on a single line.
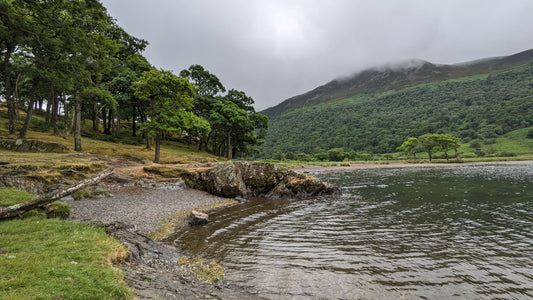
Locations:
{"points": [[257, 179]]}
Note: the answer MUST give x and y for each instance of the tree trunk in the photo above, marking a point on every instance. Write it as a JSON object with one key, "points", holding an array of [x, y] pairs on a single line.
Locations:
{"points": [[69, 128], [95, 117], [77, 130], [157, 148], [55, 111], [48, 108], [104, 119], [29, 113], [16, 99], [148, 146], [230, 150], [133, 124], [117, 125], [7, 90], [18, 209], [110, 121]]}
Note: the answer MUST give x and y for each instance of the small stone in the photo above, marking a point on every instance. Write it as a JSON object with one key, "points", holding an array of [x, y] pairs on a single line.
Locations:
{"points": [[198, 218]]}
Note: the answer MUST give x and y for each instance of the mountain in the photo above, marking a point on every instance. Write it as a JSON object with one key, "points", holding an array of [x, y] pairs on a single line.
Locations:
{"points": [[376, 109]]}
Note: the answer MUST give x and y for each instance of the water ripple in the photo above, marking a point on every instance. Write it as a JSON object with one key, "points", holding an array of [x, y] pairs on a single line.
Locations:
{"points": [[420, 233]]}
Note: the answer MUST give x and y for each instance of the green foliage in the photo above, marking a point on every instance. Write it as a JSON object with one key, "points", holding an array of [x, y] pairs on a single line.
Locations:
{"points": [[336, 154], [443, 142], [477, 107], [411, 145], [236, 129], [80, 194], [40, 125], [530, 134], [170, 97], [56, 259]]}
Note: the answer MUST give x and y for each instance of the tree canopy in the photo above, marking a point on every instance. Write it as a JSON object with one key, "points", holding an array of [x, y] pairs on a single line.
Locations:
{"points": [[70, 61]]}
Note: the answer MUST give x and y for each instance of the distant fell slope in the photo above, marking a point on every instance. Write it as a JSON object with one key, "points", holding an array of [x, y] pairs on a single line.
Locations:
{"points": [[395, 77], [375, 110]]}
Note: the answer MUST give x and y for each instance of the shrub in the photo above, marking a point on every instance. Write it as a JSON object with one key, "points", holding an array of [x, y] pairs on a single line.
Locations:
{"points": [[530, 134], [336, 154], [469, 155], [506, 154], [80, 194], [40, 125], [57, 209]]}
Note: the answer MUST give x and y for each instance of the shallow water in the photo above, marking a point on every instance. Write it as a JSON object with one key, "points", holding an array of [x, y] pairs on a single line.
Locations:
{"points": [[463, 232]]}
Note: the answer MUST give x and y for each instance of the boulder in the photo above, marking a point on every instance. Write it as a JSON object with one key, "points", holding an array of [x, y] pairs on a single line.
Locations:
{"points": [[257, 179]]}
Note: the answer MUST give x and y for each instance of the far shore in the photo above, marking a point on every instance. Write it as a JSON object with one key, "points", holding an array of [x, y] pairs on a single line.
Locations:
{"points": [[393, 165]]}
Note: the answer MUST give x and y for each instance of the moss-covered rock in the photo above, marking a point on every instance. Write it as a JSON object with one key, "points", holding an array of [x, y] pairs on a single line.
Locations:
{"points": [[57, 209], [33, 146]]}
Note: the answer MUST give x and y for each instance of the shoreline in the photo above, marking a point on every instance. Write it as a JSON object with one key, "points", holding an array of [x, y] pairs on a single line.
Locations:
{"points": [[152, 271], [318, 168]]}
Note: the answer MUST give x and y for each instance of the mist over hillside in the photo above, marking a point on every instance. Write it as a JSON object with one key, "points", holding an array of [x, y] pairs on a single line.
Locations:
{"points": [[374, 110]]}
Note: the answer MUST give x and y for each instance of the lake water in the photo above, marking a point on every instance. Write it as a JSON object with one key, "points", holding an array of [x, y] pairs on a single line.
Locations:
{"points": [[460, 232]]}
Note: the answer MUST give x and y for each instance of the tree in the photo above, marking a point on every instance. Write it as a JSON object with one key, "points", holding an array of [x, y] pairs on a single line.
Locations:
{"points": [[229, 120], [237, 127], [411, 145], [169, 97], [208, 87], [429, 142], [445, 142], [336, 154]]}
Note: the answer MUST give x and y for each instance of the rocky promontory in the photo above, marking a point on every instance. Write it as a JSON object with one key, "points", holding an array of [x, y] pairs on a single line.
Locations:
{"points": [[256, 179]]}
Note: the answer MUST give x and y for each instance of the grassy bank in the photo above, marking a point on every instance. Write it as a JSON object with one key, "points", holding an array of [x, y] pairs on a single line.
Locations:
{"points": [[57, 259]]}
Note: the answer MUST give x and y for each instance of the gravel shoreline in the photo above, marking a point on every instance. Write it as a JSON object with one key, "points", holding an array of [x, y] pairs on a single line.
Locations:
{"points": [[152, 272], [141, 207], [318, 168]]}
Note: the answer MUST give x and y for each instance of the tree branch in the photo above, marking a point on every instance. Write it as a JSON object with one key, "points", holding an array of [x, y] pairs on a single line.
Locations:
{"points": [[18, 209]]}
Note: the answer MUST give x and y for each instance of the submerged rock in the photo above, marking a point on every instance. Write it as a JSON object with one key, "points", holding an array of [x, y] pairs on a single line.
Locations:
{"points": [[257, 179]]}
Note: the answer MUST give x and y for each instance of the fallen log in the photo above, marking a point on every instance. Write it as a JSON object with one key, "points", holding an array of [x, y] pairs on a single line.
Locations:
{"points": [[18, 209]]}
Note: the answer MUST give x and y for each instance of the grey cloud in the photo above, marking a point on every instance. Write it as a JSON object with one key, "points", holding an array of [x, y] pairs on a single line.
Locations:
{"points": [[276, 49]]}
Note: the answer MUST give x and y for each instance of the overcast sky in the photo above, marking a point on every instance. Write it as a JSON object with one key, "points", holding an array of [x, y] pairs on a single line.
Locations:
{"points": [[276, 49]]}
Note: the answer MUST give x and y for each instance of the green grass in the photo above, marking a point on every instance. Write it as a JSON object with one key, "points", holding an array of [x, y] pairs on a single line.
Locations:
{"points": [[128, 147], [57, 259], [11, 196]]}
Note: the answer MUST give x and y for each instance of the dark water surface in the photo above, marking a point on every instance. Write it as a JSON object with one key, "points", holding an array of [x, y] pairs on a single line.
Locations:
{"points": [[461, 232]]}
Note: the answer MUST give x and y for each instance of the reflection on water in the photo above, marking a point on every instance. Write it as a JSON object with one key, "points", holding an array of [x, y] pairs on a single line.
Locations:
{"points": [[419, 233]]}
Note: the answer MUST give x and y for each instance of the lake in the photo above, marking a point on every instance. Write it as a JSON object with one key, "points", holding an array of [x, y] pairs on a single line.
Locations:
{"points": [[461, 232]]}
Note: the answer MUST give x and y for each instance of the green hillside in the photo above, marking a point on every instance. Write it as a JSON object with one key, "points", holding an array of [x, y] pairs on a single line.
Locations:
{"points": [[376, 110]]}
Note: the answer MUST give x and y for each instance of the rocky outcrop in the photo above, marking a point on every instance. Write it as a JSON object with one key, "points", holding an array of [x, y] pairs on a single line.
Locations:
{"points": [[32, 146], [257, 179]]}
